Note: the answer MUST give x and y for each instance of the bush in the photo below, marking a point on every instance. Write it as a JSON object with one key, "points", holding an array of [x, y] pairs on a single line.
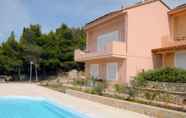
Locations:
{"points": [[131, 91], [80, 82], [162, 75], [98, 88], [119, 88]]}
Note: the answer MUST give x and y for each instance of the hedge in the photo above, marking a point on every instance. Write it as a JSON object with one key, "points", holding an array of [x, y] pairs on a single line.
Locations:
{"points": [[163, 75]]}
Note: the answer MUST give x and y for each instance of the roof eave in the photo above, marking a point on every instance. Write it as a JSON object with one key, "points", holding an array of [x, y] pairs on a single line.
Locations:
{"points": [[177, 11], [90, 24], [168, 49], [103, 19]]}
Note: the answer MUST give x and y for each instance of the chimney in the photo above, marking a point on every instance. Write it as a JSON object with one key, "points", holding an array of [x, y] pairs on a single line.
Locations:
{"points": [[122, 7]]}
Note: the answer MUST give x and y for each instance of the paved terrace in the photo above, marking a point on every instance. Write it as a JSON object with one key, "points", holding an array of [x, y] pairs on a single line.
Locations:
{"points": [[91, 109]]}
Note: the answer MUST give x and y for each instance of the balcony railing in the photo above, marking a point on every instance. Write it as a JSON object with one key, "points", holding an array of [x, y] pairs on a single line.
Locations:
{"points": [[115, 49], [178, 40]]}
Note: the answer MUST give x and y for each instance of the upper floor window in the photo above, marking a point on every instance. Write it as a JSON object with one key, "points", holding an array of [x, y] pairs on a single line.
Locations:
{"points": [[180, 27], [104, 39]]}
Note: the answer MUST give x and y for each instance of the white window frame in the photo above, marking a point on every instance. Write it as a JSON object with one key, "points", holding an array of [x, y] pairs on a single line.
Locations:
{"points": [[106, 38], [175, 58], [94, 70], [108, 71]]}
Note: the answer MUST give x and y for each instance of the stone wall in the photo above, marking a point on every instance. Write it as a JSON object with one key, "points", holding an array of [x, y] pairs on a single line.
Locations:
{"points": [[165, 92], [139, 108], [171, 87], [162, 96]]}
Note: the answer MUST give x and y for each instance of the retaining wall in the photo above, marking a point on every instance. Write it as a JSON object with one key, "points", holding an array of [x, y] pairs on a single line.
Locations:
{"points": [[136, 107]]}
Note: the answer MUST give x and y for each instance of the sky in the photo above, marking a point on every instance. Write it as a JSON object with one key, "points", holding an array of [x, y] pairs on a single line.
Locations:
{"points": [[50, 14]]}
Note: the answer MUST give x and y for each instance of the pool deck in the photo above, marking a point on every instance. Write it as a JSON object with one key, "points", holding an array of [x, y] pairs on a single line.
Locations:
{"points": [[91, 109]]}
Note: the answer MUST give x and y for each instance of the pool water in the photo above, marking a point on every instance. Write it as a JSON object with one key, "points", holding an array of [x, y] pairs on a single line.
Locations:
{"points": [[14, 107]]}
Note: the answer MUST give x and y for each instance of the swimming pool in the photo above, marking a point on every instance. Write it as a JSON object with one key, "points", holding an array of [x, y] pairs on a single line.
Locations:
{"points": [[25, 107]]}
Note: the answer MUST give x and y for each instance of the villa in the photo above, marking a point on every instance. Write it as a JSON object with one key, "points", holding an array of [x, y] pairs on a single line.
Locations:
{"points": [[172, 52], [119, 45], [144, 36]]}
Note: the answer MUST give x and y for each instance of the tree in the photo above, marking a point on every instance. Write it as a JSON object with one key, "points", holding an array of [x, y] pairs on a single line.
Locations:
{"points": [[69, 39], [50, 52], [30, 46], [50, 56], [10, 58]]}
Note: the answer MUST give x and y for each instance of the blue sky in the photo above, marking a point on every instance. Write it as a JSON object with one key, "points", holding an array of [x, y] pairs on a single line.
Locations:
{"points": [[15, 14]]}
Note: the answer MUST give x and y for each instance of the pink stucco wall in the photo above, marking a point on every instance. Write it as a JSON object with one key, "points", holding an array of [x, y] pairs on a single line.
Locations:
{"points": [[109, 26], [119, 48], [142, 29], [147, 26]]}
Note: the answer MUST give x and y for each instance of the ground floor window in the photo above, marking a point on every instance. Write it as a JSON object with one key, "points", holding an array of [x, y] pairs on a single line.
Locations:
{"points": [[112, 71], [180, 60], [94, 70]]}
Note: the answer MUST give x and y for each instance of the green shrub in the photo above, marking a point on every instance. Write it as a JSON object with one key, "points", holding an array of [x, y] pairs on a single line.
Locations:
{"points": [[88, 91], [131, 92], [162, 75], [138, 81], [119, 88], [80, 82], [98, 88]]}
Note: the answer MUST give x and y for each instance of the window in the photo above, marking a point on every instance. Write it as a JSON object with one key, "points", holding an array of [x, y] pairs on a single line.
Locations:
{"points": [[180, 58], [94, 70], [112, 71], [104, 39]]}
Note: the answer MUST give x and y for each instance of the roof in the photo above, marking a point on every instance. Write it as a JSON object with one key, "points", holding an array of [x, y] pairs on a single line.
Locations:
{"points": [[108, 14], [144, 3], [178, 9], [127, 8], [171, 48]]}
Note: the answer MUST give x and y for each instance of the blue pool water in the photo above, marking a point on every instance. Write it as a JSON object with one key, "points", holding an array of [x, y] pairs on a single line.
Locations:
{"points": [[14, 107]]}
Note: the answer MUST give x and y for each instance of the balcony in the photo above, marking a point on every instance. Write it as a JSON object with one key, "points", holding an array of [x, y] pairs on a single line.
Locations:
{"points": [[115, 49], [178, 40]]}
